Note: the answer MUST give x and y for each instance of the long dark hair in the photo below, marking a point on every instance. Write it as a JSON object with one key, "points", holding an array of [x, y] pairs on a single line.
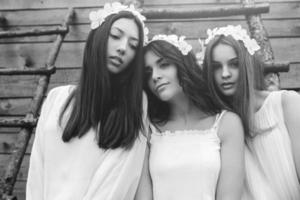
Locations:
{"points": [[190, 79], [250, 78], [110, 104]]}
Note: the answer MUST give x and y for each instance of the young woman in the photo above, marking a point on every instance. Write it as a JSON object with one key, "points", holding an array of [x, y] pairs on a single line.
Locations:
{"points": [[196, 150], [270, 119], [88, 142]]}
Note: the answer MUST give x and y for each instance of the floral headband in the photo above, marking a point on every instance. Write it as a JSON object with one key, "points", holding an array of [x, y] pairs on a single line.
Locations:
{"points": [[237, 33], [98, 17], [178, 42]]}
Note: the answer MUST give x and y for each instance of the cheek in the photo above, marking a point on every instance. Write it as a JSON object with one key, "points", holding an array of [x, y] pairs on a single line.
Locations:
{"points": [[217, 75], [131, 54], [237, 73], [151, 85]]}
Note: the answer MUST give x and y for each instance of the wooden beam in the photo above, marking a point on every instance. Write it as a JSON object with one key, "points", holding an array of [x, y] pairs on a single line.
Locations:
{"points": [[28, 71], [218, 11], [271, 67], [19, 122], [33, 32]]}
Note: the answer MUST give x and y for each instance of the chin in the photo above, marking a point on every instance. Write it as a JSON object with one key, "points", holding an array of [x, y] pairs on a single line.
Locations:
{"points": [[114, 70], [228, 93], [164, 97]]}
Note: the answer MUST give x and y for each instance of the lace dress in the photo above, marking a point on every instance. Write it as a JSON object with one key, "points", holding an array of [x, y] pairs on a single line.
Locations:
{"points": [[185, 164]]}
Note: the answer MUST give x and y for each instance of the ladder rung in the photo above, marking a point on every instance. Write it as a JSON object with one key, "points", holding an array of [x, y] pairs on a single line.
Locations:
{"points": [[18, 122], [217, 11], [33, 32], [28, 71], [276, 67]]}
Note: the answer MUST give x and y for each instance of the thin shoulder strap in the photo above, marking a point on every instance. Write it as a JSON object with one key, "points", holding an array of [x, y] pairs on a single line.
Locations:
{"points": [[218, 118]]}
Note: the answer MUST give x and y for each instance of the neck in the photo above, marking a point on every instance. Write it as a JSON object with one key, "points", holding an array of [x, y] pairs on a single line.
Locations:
{"points": [[184, 109]]}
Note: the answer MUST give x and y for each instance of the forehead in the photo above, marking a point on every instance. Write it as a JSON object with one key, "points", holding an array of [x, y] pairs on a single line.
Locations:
{"points": [[128, 26], [223, 52], [151, 58]]}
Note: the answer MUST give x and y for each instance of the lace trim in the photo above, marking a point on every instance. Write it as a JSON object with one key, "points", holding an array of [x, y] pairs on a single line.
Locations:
{"points": [[184, 132]]}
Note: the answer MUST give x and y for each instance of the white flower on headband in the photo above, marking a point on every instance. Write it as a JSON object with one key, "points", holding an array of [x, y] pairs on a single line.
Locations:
{"points": [[178, 42], [200, 54], [237, 33], [98, 17]]}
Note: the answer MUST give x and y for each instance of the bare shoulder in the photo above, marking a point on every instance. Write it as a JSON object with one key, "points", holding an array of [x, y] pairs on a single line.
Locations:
{"points": [[231, 126]]}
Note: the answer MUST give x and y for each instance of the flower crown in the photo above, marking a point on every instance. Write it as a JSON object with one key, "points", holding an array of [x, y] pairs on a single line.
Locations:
{"points": [[237, 33], [98, 17], [178, 42]]}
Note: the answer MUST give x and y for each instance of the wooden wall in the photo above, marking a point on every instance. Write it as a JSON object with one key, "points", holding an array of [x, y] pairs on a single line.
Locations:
{"points": [[282, 23]]}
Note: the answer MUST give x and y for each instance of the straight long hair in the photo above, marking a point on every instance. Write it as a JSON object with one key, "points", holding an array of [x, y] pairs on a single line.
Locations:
{"points": [[109, 104], [190, 79], [250, 78]]}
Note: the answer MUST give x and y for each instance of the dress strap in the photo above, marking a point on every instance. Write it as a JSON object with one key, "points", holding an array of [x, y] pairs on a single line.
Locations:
{"points": [[218, 118]]}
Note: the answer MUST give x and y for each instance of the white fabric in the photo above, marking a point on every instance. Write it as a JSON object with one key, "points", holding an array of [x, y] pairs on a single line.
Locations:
{"points": [[79, 169], [185, 164], [271, 150]]}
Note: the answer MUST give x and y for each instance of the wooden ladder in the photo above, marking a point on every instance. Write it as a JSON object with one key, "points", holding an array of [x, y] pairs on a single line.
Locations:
{"points": [[28, 123]]}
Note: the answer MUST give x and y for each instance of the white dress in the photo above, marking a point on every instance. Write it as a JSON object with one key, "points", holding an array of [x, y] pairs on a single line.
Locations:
{"points": [[79, 169], [272, 151], [185, 164]]}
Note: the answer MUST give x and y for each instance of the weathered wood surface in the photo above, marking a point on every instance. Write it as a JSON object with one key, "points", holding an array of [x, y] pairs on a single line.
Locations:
{"points": [[17, 55], [15, 4], [282, 24]]}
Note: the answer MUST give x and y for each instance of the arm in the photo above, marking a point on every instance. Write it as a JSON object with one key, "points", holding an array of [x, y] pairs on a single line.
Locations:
{"points": [[231, 179], [144, 191], [291, 112]]}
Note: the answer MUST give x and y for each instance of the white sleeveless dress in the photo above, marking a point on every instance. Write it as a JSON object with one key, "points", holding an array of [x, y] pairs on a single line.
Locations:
{"points": [[185, 164], [271, 150]]}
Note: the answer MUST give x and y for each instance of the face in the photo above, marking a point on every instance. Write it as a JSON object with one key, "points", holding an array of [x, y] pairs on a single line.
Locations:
{"points": [[226, 69], [162, 77], [122, 44]]}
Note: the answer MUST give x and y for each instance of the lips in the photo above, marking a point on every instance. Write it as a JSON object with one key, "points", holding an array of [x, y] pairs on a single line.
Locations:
{"points": [[227, 85], [160, 86], [115, 60]]}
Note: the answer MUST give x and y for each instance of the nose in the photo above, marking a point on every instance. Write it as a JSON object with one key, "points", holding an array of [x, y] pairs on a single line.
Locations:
{"points": [[155, 75], [121, 48], [225, 72]]}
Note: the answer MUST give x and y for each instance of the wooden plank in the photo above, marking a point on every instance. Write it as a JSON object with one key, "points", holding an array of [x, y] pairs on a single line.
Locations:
{"points": [[18, 86], [35, 4], [291, 80], [20, 189], [7, 141], [14, 106], [55, 16], [22, 175], [190, 28], [9, 130], [35, 54]]}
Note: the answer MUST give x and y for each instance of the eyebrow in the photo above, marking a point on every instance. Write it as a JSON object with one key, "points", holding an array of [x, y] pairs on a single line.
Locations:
{"points": [[230, 60], [133, 38], [160, 60]]}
